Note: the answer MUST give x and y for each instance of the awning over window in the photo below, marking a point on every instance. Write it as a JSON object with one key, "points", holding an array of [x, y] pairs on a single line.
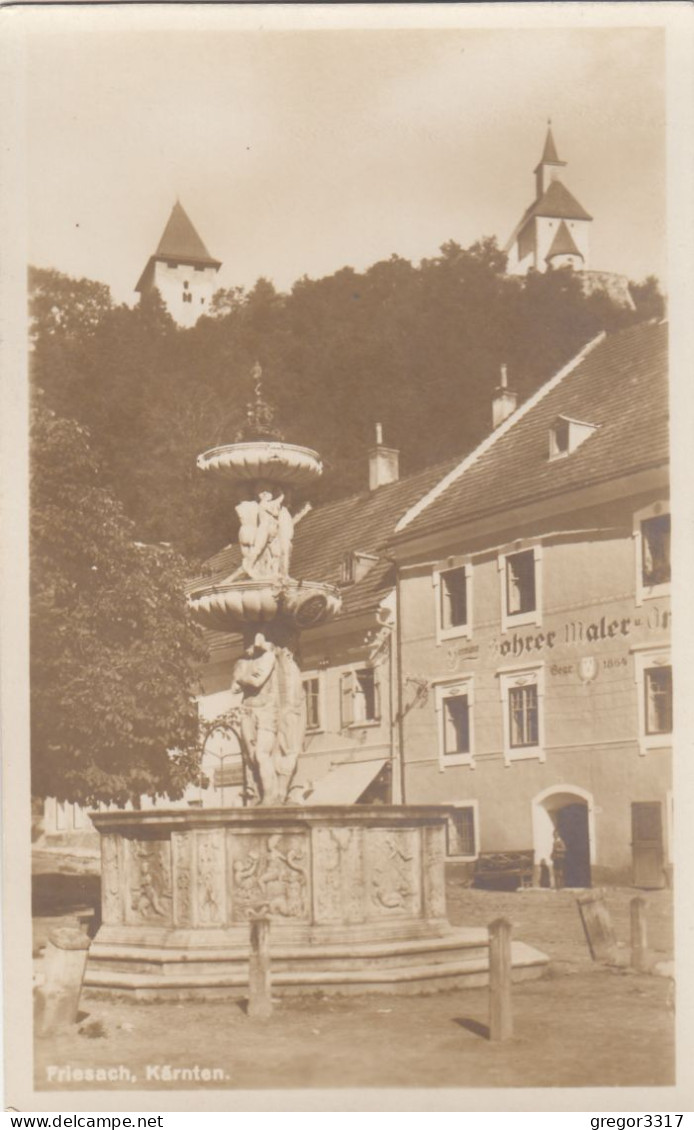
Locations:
{"points": [[344, 784]]}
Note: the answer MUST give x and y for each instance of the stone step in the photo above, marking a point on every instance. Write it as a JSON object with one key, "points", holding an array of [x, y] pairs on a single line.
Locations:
{"points": [[422, 976], [468, 940]]}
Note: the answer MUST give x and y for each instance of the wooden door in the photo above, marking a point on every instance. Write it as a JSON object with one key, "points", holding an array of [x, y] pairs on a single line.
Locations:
{"points": [[572, 825], [647, 844]]}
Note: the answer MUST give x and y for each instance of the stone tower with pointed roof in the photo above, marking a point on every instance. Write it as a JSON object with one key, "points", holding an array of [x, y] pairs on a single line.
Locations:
{"points": [[181, 269], [554, 229]]}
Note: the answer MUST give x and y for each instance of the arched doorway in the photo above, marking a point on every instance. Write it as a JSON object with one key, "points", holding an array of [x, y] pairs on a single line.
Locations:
{"points": [[568, 810]]}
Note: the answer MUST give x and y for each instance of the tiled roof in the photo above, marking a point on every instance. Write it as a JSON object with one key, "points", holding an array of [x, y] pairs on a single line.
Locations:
{"points": [[620, 385], [562, 244], [181, 241], [556, 203], [362, 523]]}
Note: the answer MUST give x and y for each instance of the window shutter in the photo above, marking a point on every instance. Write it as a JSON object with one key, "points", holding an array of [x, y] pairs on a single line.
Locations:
{"points": [[377, 695], [346, 699]]}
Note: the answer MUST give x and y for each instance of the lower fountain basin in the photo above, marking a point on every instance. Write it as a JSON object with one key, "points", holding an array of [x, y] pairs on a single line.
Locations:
{"points": [[355, 896], [231, 605]]}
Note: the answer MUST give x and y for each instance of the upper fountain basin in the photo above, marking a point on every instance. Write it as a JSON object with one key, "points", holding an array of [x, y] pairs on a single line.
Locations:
{"points": [[264, 459]]}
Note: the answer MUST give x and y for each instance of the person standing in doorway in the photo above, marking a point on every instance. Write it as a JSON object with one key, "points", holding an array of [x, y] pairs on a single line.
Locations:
{"points": [[558, 860]]}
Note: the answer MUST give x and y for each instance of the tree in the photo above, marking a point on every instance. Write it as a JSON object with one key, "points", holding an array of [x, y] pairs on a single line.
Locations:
{"points": [[114, 650], [63, 306]]}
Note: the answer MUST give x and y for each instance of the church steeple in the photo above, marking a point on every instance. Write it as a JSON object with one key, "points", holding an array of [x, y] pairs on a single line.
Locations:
{"points": [[547, 170]]}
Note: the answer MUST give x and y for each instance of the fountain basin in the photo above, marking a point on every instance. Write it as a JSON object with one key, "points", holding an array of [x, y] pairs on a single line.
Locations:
{"points": [[355, 897], [264, 459], [231, 605]]}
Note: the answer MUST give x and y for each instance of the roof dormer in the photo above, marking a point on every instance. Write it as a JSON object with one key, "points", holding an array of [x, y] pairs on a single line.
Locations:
{"points": [[355, 565], [565, 435]]}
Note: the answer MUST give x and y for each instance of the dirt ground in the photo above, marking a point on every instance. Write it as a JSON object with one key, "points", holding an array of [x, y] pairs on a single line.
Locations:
{"points": [[581, 1025]]}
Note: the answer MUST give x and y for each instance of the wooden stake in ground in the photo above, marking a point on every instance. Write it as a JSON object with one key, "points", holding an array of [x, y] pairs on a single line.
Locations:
{"points": [[500, 1007], [639, 936], [64, 961], [259, 980], [602, 940]]}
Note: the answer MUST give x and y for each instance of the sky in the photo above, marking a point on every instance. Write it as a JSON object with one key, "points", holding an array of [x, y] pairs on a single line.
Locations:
{"points": [[299, 152]]}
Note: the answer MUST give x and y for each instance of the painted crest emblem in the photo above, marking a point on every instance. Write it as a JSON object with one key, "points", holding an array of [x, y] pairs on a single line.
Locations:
{"points": [[587, 668]]}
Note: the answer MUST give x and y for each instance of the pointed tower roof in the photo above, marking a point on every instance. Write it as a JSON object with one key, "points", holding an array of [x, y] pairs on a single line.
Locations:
{"points": [[549, 153], [179, 243], [562, 244]]}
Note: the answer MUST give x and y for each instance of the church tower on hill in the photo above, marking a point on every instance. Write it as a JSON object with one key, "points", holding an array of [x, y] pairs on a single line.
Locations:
{"points": [[554, 230], [182, 270]]}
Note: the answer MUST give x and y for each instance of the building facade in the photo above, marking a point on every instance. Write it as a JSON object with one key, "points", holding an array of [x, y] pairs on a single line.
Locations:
{"points": [[534, 606]]}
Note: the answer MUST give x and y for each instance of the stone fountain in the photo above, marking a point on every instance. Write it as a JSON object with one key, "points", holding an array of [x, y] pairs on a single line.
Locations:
{"points": [[355, 894]]}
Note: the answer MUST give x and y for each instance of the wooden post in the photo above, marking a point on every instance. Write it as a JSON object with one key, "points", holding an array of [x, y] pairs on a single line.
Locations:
{"points": [[259, 981], [639, 936], [602, 940], [500, 1008], [57, 1000]]}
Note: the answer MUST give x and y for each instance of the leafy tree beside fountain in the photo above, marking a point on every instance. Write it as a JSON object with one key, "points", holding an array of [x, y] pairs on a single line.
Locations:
{"points": [[114, 649]]}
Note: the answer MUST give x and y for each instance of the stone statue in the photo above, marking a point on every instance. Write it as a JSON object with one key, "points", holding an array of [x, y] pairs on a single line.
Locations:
{"points": [[256, 679], [265, 536], [272, 718]]}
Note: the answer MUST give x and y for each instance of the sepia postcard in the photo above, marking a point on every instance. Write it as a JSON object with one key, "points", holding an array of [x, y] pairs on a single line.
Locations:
{"points": [[346, 633]]}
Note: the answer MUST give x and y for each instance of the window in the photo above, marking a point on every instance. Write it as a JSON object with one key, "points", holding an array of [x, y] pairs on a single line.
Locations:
{"points": [[652, 543], [461, 832], [453, 591], [655, 550], [521, 601], [454, 706], [456, 725], [523, 716], [313, 705], [653, 674], [520, 583], [521, 699], [360, 697], [658, 700]]}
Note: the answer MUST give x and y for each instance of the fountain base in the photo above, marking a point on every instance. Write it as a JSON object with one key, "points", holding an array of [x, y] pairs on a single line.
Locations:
{"points": [[355, 896]]}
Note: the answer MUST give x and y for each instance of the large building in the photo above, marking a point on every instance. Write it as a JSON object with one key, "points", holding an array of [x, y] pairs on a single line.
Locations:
{"points": [[182, 270], [534, 606]]}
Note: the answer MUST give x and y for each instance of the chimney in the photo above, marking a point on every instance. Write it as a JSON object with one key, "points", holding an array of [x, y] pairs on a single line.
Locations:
{"points": [[504, 400], [384, 463]]}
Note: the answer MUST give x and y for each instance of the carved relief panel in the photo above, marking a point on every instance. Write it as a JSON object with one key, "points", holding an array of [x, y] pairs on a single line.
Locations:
{"points": [[112, 883], [210, 892], [181, 855], [434, 862], [269, 871], [149, 882], [392, 873], [338, 883]]}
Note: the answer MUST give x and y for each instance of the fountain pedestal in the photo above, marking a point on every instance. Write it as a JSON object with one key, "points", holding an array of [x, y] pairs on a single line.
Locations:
{"points": [[355, 896]]}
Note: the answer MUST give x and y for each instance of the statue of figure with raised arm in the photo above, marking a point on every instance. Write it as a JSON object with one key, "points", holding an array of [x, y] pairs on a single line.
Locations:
{"points": [[265, 536]]}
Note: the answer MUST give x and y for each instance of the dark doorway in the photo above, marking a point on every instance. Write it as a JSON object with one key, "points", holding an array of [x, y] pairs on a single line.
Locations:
{"points": [[572, 825], [647, 844]]}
